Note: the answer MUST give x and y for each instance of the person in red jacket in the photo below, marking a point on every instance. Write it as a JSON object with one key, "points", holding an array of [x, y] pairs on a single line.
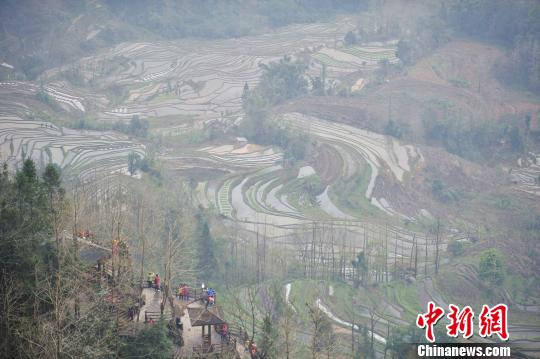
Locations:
{"points": [[157, 282]]}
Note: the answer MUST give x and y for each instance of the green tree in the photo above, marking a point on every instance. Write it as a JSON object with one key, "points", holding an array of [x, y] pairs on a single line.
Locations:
{"points": [[245, 91], [267, 345], [151, 342], [404, 52], [133, 161], [51, 179], [283, 80], [27, 184], [206, 262], [491, 267], [138, 127], [360, 266]]}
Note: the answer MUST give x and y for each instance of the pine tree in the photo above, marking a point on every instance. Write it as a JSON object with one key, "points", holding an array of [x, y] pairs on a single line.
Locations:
{"points": [[268, 340], [206, 258]]}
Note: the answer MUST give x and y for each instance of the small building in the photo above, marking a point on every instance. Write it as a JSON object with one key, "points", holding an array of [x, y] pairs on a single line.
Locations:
{"points": [[206, 316]]}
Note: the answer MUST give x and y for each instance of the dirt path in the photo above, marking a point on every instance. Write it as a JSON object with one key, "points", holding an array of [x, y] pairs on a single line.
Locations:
{"points": [[152, 302], [330, 315]]}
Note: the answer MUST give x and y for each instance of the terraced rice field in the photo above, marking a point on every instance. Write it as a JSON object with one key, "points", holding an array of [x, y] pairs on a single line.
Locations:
{"points": [[344, 60], [378, 151], [527, 177], [263, 189], [260, 190], [86, 154], [205, 79]]}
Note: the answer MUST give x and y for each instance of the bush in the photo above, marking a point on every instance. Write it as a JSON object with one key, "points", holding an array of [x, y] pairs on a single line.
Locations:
{"points": [[350, 38], [456, 248], [136, 127], [312, 186], [395, 129], [44, 97], [441, 192], [145, 164]]}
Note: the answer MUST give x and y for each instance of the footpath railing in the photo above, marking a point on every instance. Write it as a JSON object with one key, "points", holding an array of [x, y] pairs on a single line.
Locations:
{"points": [[219, 348], [194, 293]]}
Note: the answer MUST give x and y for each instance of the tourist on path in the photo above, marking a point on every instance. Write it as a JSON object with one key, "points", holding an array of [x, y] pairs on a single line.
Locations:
{"points": [[150, 279]]}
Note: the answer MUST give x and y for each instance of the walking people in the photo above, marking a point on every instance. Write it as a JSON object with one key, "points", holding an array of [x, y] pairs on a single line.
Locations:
{"points": [[157, 282], [131, 313], [211, 296], [150, 279], [183, 292], [224, 332], [253, 350]]}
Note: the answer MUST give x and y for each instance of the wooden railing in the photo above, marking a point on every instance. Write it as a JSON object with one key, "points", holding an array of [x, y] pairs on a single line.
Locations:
{"points": [[194, 292], [151, 315], [204, 350]]}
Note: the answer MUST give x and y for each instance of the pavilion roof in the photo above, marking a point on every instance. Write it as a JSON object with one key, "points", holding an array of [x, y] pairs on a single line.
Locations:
{"points": [[206, 316]]}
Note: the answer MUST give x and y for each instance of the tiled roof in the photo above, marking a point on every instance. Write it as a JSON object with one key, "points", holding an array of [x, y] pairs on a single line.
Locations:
{"points": [[205, 316]]}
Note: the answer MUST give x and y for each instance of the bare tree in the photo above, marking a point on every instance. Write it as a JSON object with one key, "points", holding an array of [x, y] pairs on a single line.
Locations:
{"points": [[179, 252], [10, 296], [437, 243], [287, 325], [322, 336]]}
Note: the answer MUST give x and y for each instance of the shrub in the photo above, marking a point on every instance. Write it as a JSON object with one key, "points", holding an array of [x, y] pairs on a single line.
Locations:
{"points": [[151, 342]]}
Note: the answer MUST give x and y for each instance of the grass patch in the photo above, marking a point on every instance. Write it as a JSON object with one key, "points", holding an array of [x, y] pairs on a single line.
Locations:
{"points": [[524, 290], [327, 60], [163, 97], [405, 297], [367, 55], [350, 196], [194, 137]]}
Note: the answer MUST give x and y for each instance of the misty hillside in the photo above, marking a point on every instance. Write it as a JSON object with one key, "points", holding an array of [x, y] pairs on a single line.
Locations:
{"points": [[76, 28]]}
